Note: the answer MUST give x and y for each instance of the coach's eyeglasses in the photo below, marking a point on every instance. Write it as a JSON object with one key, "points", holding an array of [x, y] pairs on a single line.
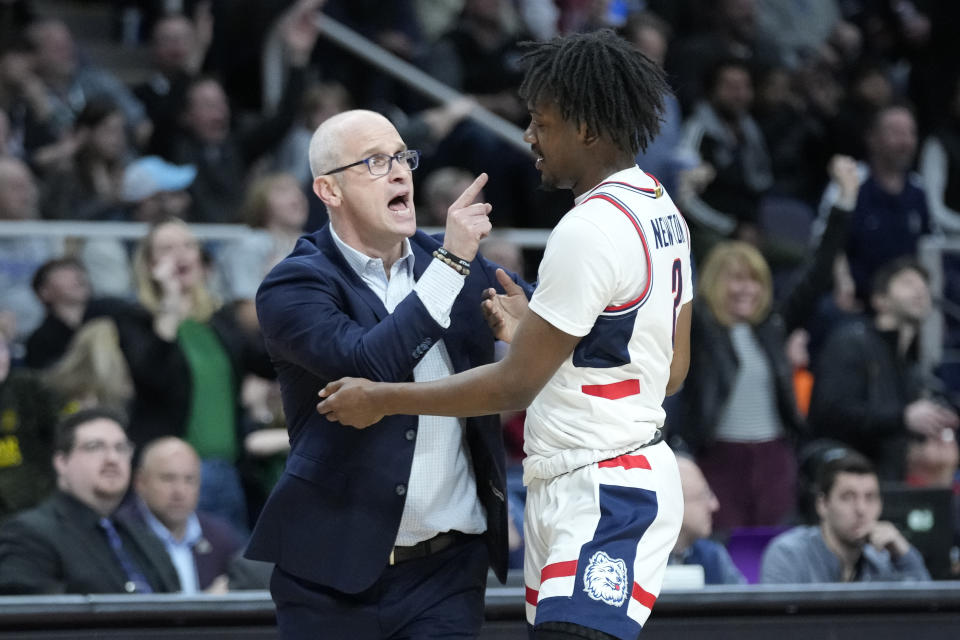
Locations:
{"points": [[380, 164]]}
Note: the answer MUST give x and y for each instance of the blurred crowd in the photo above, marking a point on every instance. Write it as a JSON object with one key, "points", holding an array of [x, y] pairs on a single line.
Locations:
{"points": [[810, 146]]}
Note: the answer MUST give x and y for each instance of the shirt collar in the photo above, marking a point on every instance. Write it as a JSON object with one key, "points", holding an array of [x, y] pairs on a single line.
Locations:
{"points": [[191, 536], [363, 264], [623, 175]]}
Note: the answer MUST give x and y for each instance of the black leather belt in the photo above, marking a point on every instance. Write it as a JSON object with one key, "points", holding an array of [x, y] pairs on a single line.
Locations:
{"points": [[423, 549]]}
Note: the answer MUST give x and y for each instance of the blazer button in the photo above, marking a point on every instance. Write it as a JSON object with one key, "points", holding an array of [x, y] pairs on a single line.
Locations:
{"points": [[401, 489], [410, 434]]}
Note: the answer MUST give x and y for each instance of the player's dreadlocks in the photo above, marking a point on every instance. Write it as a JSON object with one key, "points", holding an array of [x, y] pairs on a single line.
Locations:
{"points": [[598, 79]]}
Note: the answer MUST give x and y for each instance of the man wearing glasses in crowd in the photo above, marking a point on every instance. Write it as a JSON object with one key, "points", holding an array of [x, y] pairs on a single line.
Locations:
{"points": [[386, 532], [74, 542]]}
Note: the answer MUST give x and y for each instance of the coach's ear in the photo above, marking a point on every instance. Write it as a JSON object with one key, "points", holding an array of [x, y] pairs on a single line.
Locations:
{"points": [[327, 189]]}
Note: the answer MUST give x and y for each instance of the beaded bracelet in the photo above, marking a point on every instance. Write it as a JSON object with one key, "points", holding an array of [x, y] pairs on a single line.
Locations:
{"points": [[459, 265]]}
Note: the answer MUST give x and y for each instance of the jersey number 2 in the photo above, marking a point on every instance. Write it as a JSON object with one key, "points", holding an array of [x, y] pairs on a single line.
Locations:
{"points": [[677, 280]]}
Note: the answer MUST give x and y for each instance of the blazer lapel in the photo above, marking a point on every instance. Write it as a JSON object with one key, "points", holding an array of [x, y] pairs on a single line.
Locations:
{"points": [[86, 535], [153, 550], [329, 249]]}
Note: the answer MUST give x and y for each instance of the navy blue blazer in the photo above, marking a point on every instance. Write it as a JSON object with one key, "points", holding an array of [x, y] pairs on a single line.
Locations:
{"points": [[333, 516]]}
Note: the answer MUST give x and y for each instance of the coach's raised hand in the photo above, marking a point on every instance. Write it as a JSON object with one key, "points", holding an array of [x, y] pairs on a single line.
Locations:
{"points": [[467, 222], [349, 401]]}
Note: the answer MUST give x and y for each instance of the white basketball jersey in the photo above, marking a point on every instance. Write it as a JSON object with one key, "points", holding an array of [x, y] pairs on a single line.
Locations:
{"points": [[616, 271]]}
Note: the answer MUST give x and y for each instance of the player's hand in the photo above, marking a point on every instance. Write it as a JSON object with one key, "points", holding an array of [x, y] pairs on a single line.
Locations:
{"points": [[886, 536], [467, 222], [504, 310], [348, 401]]}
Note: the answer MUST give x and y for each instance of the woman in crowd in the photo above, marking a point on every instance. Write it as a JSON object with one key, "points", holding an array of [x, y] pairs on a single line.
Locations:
{"points": [[737, 413], [187, 357]]}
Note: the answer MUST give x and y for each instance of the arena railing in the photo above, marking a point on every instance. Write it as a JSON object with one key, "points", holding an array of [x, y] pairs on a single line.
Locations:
{"points": [[879, 611], [525, 238], [933, 253]]}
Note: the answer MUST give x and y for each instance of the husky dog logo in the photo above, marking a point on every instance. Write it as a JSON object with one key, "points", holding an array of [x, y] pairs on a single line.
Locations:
{"points": [[606, 579]]}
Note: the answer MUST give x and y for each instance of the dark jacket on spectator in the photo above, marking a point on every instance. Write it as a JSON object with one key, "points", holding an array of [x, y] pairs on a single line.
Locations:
{"points": [[58, 547], [713, 362], [27, 417], [221, 169], [860, 393], [161, 374], [213, 553]]}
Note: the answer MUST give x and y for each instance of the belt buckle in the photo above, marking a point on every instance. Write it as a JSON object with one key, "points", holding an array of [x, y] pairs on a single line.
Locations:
{"points": [[392, 561]]}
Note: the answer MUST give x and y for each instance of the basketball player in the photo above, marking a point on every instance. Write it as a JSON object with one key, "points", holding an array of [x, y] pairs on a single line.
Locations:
{"points": [[605, 336]]}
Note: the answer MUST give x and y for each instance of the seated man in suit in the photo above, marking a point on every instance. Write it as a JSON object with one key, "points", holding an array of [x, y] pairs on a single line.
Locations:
{"points": [[74, 542], [201, 545], [387, 532], [851, 544], [693, 544]]}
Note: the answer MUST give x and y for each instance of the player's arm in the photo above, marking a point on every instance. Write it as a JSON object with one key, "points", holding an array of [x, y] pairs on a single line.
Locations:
{"points": [[537, 351], [681, 349]]}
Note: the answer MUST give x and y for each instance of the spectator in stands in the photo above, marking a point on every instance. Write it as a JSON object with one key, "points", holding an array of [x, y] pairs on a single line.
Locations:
{"points": [[851, 544], [320, 101], [222, 156], [75, 542], [869, 393], [723, 134], [391, 25], [152, 190], [178, 46], [733, 34], [651, 35], [796, 137], [156, 190], [88, 184], [62, 286], [167, 486], [801, 30], [440, 188], [940, 167], [891, 212], [21, 256], [693, 546], [187, 357], [737, 413], [26, 436], [868, 90], [277, 208], [71, 83], [479, 57], [24, 98], [933, 462], [92, 371]]}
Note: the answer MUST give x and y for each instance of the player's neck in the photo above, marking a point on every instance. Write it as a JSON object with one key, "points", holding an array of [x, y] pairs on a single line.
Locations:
{"points": [[597, 173]]}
